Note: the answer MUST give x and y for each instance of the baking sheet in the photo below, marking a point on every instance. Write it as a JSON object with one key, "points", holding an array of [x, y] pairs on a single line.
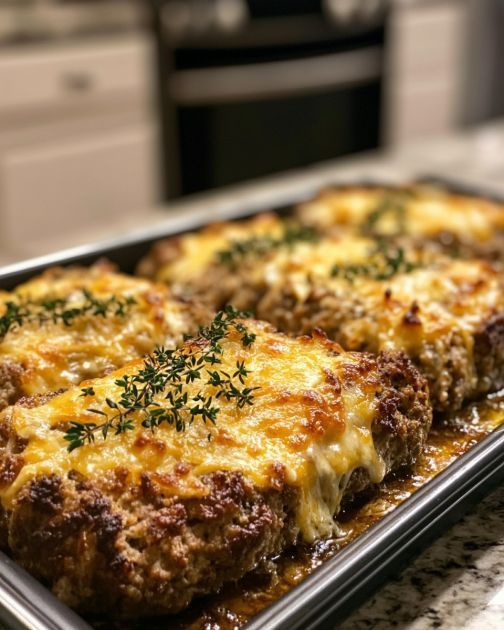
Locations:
{"points": [[344, 581]]}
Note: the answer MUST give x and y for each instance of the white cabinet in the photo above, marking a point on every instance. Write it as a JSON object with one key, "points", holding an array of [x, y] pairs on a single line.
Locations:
{"points": [[59, 75], [75, 186], [77, 142]]}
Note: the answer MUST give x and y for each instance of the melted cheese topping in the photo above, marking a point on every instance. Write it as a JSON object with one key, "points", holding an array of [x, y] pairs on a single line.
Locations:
{"points": [[307, 416], [411, 311], [55, 356], [427, 212], [461, 290], [195, 251]]}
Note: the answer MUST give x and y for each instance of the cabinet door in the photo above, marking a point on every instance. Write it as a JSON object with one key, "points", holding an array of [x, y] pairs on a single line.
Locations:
{"points": [[73, 75], [55, 195]]}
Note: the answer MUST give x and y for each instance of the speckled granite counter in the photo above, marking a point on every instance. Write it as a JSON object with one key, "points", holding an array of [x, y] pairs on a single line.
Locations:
{"points": [[458, 582]]}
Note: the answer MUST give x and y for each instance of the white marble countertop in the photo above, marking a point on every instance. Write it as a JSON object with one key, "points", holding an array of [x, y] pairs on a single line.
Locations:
{"points": [[459, 581]]}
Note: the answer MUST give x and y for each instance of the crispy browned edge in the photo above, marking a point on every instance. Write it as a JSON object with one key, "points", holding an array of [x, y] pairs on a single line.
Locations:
{"points": [[489, 354], [10, 382], [107, 545]]}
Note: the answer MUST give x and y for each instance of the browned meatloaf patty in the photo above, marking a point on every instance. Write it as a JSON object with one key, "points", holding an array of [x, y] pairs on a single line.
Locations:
{"points": [[461, 225], [460, 363], [147, 539]]}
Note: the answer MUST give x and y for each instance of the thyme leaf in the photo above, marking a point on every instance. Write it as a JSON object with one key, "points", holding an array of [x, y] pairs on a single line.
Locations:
{"points": [[87, 391], [169, 373], [386, 261], [393, 206], [257, 246], [60, 310]]}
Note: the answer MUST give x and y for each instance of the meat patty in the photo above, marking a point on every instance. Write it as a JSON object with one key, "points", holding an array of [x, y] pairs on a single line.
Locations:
{"points": [[10, 382], [141, 524], [489, 354], [459, 363], [121, 318], [460, 225]]}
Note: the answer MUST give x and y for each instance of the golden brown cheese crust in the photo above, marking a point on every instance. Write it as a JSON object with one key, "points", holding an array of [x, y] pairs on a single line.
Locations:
{"points": [[442, 317], [141, 524], [439, 312], [462, 225], [39, 358], [180, 260]]}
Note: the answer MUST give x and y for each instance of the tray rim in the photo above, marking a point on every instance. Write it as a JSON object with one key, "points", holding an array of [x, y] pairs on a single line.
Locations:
{"points": [[26, 603]]}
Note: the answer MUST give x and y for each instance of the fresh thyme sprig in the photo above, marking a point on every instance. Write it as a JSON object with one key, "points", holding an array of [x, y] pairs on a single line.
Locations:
{"points": [[393, 206], [27, 311], [260, 245], [169, 372], [385, 261]]}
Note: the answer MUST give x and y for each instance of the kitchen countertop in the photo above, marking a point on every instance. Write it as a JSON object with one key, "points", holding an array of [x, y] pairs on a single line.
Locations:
{"points": [[458, 581]]}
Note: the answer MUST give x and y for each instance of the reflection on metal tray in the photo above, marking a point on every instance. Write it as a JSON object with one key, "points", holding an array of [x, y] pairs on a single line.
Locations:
{"points": [[341, 583]]}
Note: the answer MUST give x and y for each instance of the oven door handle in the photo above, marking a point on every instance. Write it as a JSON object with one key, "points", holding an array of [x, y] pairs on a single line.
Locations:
{"points": [[210, 86]]}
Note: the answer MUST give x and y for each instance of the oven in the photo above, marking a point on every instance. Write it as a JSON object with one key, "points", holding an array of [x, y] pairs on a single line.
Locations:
{"points": [[249, 88]]}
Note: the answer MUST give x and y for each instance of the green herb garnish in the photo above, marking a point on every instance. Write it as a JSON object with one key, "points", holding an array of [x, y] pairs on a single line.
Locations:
{"points": [[27, 311], [386, 261], [393, 206], [87, 391], [169, 372], [257, 246]]}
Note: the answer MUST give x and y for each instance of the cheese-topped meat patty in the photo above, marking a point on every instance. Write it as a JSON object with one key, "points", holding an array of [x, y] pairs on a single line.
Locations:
{"points": [[181, 258], [182, 262], [367, 294], [217, 456], [461, 225], [71, 324]]}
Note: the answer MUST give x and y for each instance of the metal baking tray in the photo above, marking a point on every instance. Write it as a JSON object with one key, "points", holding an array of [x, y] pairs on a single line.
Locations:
{"points": [[337, 587]]}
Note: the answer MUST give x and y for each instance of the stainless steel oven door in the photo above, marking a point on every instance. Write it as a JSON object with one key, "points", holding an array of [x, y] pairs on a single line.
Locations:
{"points": [[244, 121]]}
